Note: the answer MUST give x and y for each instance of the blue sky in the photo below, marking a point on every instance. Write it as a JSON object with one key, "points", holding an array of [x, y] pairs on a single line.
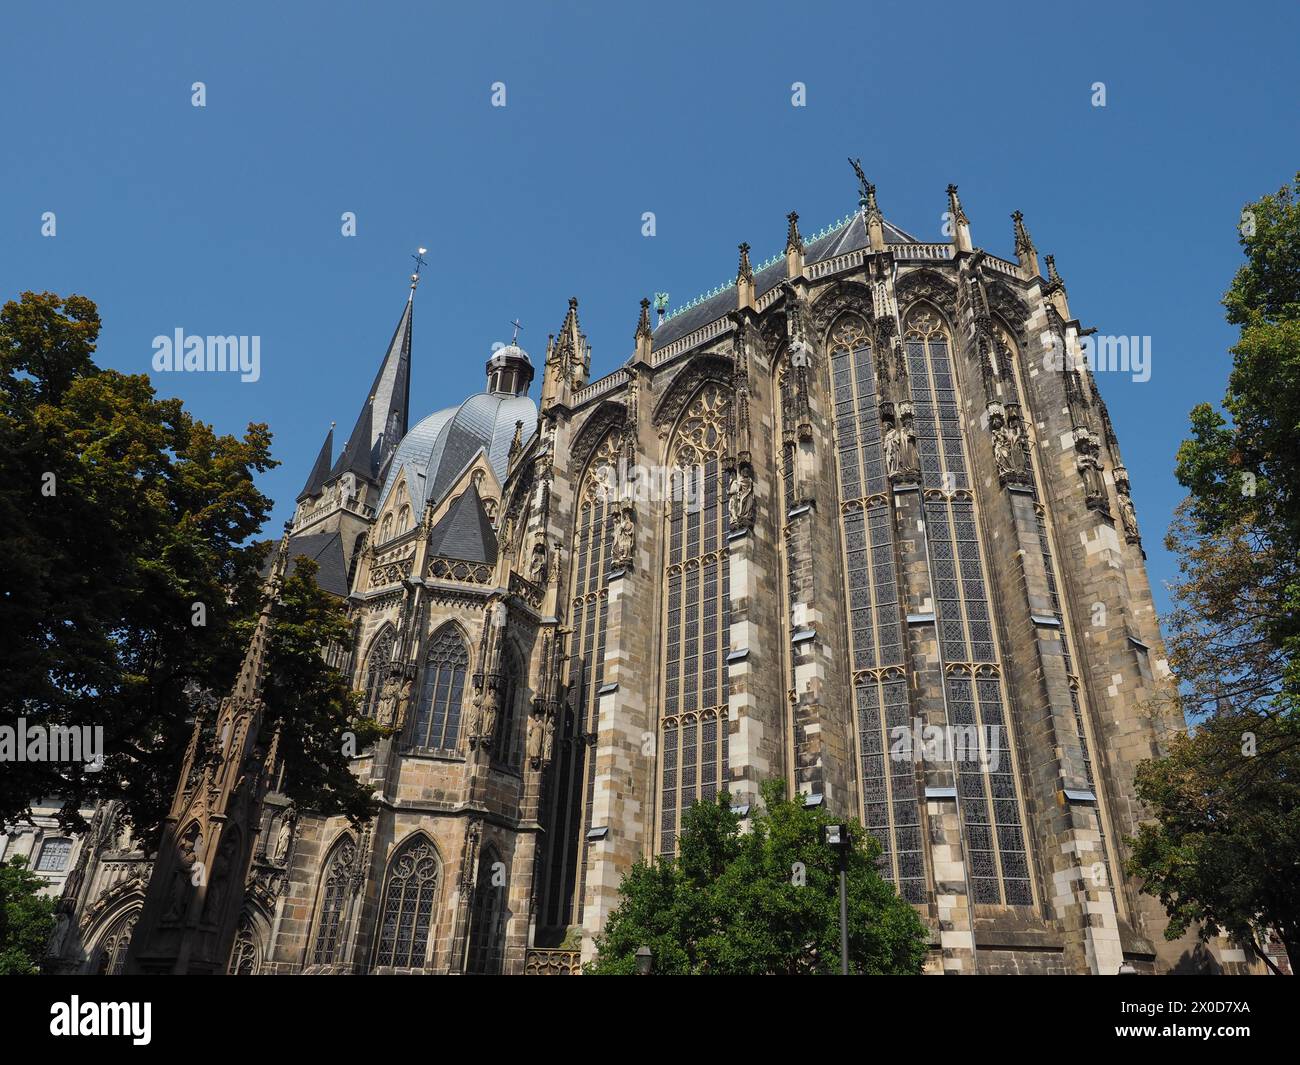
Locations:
{"points": [[226, 219]]}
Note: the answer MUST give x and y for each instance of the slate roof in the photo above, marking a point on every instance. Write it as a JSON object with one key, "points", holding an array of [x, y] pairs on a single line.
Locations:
{"points": [[848, 237], [326, 549], [465, 532], [439, 447]]}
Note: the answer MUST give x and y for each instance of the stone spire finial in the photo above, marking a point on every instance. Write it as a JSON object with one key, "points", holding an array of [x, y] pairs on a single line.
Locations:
{"points": [[1053, 278], [1026, 253], [959, 222], [793, 246], [644, 334], [744, 279], [744, 271], [793, 241]]}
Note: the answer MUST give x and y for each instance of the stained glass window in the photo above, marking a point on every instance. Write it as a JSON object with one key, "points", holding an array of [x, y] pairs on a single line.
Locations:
{"points": [[381, 652], [693, 750], [335, 885], [410, 895], [889, 789], [442, 692], [487, 934], [112, 951], [992, 822]]}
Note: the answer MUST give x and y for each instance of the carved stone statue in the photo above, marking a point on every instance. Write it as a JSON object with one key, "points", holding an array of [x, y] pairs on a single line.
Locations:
{"points": [[740, 499], [625, 537], [389, 695], [1128, 516], [537, 567], [488, 718], [549, 745], [892, 444], [536, 738], [1007, 452], [285, 835]]}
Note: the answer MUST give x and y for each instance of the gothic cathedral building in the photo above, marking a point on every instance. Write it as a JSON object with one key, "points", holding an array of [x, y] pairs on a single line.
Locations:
{"points": [[865, 492]]}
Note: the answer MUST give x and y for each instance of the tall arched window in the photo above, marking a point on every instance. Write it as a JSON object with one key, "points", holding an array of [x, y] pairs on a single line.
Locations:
{"points": [[381, 653], [404, 519], [442, 691], [891, 809], [693, 752], [487, 934], [508, 744], [386, 528], [111, 960], [992, 823], [410, 896], [572, 772], [335, 886]]}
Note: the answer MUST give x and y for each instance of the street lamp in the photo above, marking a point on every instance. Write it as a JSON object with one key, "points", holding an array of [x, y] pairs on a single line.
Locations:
{"points": [[838, 839], [645, 961]]}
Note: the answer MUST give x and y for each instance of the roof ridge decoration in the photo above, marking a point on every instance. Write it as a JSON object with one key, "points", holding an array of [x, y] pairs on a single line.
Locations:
{"points": [[825, 231]]}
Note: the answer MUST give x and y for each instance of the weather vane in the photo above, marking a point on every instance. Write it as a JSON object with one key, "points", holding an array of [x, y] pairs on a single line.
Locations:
{"points": [[862, 178]]}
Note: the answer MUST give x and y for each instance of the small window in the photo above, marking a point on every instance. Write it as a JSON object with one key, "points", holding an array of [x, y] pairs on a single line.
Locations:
{"points": [[54, 855]]}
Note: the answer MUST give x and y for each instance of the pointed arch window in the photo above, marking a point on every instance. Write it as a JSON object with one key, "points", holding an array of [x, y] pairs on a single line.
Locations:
{"points": [[381, 653], [442, 692], [487, 936], [693, 752], [386, 528], [410, 895], [507, 745], [988, 802], [336, 883], [112, 952], [244, 954], [572, 772], [404, 519]]}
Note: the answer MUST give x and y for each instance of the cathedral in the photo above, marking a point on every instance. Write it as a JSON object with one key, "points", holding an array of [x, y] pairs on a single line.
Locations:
{"points": [[866, 491]]}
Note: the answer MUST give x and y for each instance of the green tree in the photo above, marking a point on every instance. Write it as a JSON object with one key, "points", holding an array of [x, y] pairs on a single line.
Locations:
{"points": [[26, 919], [763, 901], [1223, 849], [127, 561], [311, 702]]}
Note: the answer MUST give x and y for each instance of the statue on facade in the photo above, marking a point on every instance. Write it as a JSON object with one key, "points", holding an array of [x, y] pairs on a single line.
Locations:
{"points": [[892, 447], [284, 837], [740, 499], [1008, 453], [536, 740], [625, 537]]}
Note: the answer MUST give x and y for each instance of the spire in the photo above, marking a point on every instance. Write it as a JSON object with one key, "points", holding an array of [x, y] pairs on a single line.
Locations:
{"points": [[959, 222], [1026, 253], [1055, 289], [875, 220], [793, 241], [567, 360], [793, 246], [644, 338], [383, 419], [744, 279], [320, 470]]}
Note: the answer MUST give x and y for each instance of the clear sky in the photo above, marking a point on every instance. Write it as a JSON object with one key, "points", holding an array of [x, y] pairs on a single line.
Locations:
{"points": [[226, 219]]}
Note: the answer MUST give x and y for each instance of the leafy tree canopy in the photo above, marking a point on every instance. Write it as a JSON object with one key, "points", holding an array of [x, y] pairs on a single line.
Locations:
{"points": [[1223, 849], [758, 902], [123, 521], [26, 919]]}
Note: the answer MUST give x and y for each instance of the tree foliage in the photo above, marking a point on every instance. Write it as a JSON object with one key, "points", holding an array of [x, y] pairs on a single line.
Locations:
{"points": [[123, 521], [763, 901], [26, 919], [1223, 849]]}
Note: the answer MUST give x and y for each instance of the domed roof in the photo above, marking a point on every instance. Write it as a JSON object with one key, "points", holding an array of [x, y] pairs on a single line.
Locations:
{"points": [[507, 351], [439, 447]]}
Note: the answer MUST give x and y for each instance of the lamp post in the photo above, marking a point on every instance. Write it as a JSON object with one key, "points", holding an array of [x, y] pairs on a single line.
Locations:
{"points": [[837, 838], [645, 961]]}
